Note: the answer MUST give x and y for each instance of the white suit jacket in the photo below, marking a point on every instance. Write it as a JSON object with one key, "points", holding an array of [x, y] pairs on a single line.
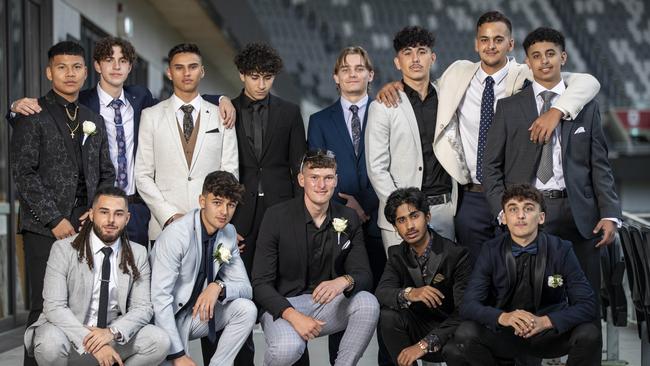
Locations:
{"points": [[393, 152], [162, 177], [175, 261], [452, 86], [68, 290]]}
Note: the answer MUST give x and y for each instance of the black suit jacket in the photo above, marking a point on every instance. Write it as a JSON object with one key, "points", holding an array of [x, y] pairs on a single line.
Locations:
{"points": [[511, 158], [283, 146], [494, 279], [281, 258], [44, 164], [449, 262]]}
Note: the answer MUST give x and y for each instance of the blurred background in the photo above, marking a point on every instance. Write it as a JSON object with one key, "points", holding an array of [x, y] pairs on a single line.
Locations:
{"points": [[609, 39]]}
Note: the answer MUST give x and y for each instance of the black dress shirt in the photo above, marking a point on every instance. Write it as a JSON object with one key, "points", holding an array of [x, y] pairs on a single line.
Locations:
{"points": [[247, 116], [319, 246], [523, 296], [435, 179]]}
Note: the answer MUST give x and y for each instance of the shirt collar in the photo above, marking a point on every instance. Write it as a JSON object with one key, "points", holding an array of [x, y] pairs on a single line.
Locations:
{"points": [[204, 233], [427, 250], [345, 104], [105, 99], [411, 93], [248, 102], [328, 217], [498, 76], [178, 102], [97, 244], [557, 89], [61, 100]]}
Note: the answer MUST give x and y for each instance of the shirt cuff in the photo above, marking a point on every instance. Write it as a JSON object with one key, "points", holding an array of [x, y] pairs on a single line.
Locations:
{"points": [[176, 355], [618, 222], [433, 343], [401, 300], [565, 114]]}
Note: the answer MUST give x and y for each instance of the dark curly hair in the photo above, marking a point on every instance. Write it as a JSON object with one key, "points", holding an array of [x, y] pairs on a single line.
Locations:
{"points": [[65, 48], [543, 34], [493, 17], [411, 196], [183, 48], [223, 184], [413, 36], [104, 49], [522, 192], [258, 58]]}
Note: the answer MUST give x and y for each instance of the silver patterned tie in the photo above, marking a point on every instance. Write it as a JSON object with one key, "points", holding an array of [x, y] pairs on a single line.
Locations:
{"points": [[545, 168]]}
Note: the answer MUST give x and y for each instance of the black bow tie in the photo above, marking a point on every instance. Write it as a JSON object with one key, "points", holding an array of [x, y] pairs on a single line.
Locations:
{"points": [[519, 250]]}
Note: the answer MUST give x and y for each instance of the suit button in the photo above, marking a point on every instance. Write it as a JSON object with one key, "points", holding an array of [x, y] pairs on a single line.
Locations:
{"points": [[420, 168], [189, 179], [180, 304]]}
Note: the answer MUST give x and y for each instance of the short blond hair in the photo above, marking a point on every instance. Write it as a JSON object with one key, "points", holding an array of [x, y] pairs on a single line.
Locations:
{"points": [[352, 50]]}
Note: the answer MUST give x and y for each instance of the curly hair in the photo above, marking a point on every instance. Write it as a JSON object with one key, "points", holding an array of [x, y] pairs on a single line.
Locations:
{"points": [[223, 184], [493, 17], [104, 49], [183, 48], [543, 34], [522, 192], [413, 36], [258, 58], [410, 196]]}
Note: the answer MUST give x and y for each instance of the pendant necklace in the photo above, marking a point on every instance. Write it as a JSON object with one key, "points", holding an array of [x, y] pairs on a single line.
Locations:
{"points": [[72, 118]]}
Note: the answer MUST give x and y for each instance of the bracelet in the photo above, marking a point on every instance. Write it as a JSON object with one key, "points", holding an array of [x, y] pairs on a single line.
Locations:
{"points": [[350, 281], [423, 346]]}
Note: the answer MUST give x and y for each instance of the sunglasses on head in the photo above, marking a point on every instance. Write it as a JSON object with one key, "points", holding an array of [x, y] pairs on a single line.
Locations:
{"points": [[313, 154]]}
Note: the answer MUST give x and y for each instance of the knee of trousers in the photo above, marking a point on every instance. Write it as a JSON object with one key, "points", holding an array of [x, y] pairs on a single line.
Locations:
{"points": [[246, 311], [586, 335], [452, 354], [365, 303], [284, 351], [154, 340], [390, 320], [466, 334], [50, 345]]}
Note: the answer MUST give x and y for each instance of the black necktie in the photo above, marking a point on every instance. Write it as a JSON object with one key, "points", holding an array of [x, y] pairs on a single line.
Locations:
{"points": [[545, 167], [257, 129], [102, 311], [209, 264], [188, 121], [487, 115], [356, 128]]}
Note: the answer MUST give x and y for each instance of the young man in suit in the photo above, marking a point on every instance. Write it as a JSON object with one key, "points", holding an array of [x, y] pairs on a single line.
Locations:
{"points": [[198, 280], [97, 304], [311, 273], [340, 128], [527, 294], [467, 90], [59, 159], [121, 106], [399, 152], [572, 170], [422, 285], [180, 141]]}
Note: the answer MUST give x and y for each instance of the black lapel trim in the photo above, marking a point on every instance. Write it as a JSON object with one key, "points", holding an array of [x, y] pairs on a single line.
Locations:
{"points": [[300, 233], [511, 270], [540, 267], [437, 255], [412, 267]]}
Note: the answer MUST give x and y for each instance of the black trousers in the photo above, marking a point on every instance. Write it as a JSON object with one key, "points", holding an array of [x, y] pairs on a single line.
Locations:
{"points": [[474, 344], [474, 222]]}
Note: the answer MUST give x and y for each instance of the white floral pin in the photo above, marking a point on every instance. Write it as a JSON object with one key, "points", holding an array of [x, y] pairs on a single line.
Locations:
{"points": [[555, 281], [89, 129], [340, 224], [222, 254]]}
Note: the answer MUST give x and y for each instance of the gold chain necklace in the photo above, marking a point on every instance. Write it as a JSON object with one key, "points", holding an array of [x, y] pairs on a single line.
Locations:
{"points": [[72, 118]]}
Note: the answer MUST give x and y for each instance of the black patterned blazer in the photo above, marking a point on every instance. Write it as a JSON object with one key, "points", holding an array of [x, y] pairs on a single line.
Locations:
{"points": [[44, 164]]}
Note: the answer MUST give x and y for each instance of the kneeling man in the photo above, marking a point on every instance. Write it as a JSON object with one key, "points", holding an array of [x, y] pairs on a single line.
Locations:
{"points": [[311, 273], [198, 282], [527, 294], [96, 304], [422, 285]]}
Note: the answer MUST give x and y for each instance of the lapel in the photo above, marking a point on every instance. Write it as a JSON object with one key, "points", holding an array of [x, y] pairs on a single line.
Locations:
{"points": [[50, 105], [242, 136], [299, 232], [123, 285], [88, 280], [85, 115], [462, 85], [437, 256], [513, 74], [206, 120], [411, 266], [511, 270], [540, 268], [529, 109], [338, 119], [362, 144], [274, 115], [224, 240], [198, 242], [137, 109], [409, 115], [170, 115], [93, 100]]}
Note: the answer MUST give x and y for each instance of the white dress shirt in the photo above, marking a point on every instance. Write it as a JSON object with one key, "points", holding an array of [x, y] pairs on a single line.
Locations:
{"points": [[347, 113], [557, 180], [469, 117], [128, 124], [178, 103], [96, 244]]}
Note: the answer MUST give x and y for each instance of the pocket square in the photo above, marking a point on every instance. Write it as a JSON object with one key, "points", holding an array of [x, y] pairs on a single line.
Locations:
{"points": [[580, 130], [438, 278], [216, 130]]}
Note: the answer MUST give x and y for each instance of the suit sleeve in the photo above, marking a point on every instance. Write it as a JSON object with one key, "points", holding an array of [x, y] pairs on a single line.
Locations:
{"points": [[56, 297], [390, 284], [229, 153], [165, 266], [140, 309], [25, 156], [601, 172], [265, 267], [149, 100], [494, 159], [106, 167], [356, 263], [378, 152], [234, 274], [477, 291], [145, 171], [315, 136], [297, 148], [212, 98], [581, 89]]}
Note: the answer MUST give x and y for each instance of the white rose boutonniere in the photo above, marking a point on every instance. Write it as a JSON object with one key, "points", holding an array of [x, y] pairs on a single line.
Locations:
{"points": [[89, 129], [339, 224], [555, 281], [222, 254]]}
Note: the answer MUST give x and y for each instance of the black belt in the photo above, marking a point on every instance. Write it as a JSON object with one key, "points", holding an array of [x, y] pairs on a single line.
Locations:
{"points": [[555, 193], [439, 199], [472, 187], [134, 198]]}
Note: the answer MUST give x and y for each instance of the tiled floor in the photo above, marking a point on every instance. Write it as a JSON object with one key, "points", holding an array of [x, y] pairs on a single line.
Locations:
{"points": [[629, 350]]}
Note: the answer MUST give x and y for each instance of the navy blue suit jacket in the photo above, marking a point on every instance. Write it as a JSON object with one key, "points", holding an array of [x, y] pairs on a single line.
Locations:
{"points": [[327, 130], [493, 282]]}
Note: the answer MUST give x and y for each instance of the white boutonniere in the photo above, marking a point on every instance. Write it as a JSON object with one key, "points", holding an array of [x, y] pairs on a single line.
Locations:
{"points": [[89, 129], [555, 281], [340, 224], [222, 254]]}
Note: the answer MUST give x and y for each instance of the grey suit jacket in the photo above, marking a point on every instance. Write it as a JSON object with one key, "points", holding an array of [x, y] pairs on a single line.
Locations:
{"points": [[512, 158], [67, 293], [175, 261]]}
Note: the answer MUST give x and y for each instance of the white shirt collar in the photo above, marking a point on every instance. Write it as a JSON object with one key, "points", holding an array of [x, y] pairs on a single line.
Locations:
{"points": [[178, 102], [345, 104], [557, 89], [97, 245], [498, 76], [105, 99]]}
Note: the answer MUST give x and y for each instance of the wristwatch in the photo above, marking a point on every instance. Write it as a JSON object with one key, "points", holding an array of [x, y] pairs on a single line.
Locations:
{"points": [[117, 336], [407, 291], [221, 284]]}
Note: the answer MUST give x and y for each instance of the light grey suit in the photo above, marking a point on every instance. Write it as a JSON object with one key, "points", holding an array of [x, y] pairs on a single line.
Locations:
{"points": [[175, 262], [67, 294]]}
